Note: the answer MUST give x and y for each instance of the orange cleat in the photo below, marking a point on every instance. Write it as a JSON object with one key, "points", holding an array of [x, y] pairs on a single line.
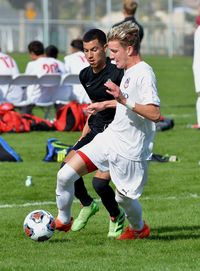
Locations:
{"points": [[63, 227], [130, 234]]}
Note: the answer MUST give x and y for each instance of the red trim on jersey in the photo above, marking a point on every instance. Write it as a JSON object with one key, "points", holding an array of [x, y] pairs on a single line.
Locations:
{"points": [[90, 166]]}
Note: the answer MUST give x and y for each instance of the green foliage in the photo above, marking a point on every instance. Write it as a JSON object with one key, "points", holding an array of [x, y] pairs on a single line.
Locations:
{"points": [[170, 200]]}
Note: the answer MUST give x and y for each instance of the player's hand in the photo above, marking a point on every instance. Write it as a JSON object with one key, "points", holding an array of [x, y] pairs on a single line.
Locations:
{"points": [[114, 90], [95, 107]]}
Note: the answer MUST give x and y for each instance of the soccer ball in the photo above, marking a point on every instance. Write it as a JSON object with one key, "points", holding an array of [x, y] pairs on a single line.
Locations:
{"points": [[39, 225]]}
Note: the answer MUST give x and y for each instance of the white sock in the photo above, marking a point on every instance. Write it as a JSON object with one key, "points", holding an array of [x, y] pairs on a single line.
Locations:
{"points": [[133, 211], [65, 192], [198, 110]]}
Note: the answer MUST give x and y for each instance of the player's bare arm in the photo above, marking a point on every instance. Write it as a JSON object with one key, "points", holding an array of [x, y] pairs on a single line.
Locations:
{"points": [[149, 111], [100, 106], [86, 128]]}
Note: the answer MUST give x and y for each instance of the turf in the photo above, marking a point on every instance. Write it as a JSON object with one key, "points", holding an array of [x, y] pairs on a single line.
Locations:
{"points": [[170, 200]]}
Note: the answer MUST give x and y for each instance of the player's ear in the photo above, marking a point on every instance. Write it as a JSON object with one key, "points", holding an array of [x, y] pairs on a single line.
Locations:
{"points": [[129, 50], [105, 47]]}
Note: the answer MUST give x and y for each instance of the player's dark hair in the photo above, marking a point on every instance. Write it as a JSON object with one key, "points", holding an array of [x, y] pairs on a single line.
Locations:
{"points": [[77, 44], [36, 47], [51, 51], [95, 34]]}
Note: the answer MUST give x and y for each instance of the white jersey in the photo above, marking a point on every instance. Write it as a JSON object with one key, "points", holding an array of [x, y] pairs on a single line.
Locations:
{"points": [[74, 63], [61, 66], [196, 59], [41, 66], [130, 134], [8, 66]]}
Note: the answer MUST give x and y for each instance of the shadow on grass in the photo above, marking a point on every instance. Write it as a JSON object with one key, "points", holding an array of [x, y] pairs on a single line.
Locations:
{"points": [[175, 233], [59, 241]]}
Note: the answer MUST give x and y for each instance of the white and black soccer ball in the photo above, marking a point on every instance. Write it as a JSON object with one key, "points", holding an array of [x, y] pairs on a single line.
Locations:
{"points": [[39, 225]]}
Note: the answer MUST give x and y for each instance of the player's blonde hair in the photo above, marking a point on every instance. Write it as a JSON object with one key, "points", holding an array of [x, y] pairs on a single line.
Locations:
{"points": [[130, 6], [127, 34]]}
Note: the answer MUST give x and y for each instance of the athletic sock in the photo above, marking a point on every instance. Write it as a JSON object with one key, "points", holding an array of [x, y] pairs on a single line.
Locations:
{"points": [[107, 195], [133, 211], [65, 192], [81, 192], [198, 110]]}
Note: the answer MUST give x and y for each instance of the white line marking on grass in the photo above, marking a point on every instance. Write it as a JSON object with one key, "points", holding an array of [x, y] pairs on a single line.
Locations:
{"points": [[43, 203]]}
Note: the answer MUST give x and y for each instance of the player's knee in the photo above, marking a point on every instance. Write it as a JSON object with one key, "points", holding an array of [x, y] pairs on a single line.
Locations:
{"points": [[100, 184], [66, 175]]}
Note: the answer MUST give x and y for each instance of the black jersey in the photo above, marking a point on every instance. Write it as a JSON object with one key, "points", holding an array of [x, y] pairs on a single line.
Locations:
{"points": [[94, 86]]}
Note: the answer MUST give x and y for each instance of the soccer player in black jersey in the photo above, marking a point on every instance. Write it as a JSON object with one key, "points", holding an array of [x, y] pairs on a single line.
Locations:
{"points": [[101, 112]]}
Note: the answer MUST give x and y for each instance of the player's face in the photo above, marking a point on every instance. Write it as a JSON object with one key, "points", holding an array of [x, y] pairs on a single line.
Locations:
{"points": [[95, 54], [119, 54]]}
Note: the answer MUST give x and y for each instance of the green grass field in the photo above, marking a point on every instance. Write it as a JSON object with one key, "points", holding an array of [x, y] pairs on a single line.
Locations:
{"points": [[170, 199]]}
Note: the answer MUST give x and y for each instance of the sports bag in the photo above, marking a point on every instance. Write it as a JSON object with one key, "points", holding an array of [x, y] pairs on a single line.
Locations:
{"points": [[164, 124], [37, 123], [11, 121], [56, 150], [70, 117], [7, 153]]}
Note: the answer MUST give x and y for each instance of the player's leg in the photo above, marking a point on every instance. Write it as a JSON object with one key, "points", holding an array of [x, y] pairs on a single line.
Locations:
{"points": [[89, 205], [101, 185], [66, 177], [129, 178], [198, 109], [137, 227]]}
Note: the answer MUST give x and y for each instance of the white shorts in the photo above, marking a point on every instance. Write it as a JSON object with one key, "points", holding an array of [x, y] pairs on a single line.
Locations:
{"points": [[128, 176]]}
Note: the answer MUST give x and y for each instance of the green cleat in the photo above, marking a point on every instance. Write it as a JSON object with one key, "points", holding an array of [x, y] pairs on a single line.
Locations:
{"points": [[116, 226], [84, 215]]}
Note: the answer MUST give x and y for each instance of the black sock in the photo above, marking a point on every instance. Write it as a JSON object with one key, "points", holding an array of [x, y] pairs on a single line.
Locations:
{"points": [[81, 192], [107, 195]]}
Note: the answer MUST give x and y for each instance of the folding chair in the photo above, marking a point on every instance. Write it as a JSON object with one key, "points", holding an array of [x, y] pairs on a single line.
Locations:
{"points": [[70, 79], [5, 81], [24, 80], [49, 82]]}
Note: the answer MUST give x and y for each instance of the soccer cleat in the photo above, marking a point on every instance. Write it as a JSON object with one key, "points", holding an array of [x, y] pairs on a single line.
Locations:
{"points": [[84, 215], [130, 234], [193, 126], [116, 225], [63, 227]]}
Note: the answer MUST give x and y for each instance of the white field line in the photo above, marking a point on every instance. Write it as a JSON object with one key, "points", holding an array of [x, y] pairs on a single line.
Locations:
{"points": [[43, 203]]}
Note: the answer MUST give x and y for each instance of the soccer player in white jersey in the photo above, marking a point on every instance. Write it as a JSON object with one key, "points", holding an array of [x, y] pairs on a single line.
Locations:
{"points": [[125, 147], [74, 63], [39, 65], [8, 66], [52, 51], [196, 71]]}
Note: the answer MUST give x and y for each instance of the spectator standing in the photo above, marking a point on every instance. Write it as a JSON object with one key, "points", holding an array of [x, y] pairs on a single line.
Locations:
{"points": [[196, 70], [129, 11]]}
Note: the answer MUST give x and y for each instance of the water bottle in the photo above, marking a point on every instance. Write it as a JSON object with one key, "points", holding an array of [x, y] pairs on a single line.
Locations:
{"points": [[28, 181]]}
